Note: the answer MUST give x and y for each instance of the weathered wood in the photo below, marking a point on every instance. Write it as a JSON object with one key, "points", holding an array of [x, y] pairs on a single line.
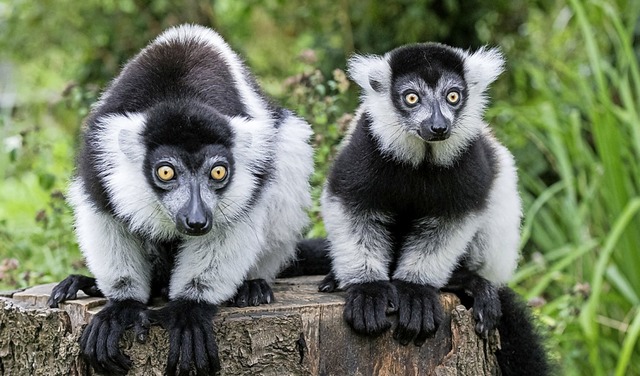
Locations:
{"points": [[302, 333]]}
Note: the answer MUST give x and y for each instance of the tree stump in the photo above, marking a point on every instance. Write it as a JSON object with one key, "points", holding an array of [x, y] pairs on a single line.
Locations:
{"points": [[302, 333]]}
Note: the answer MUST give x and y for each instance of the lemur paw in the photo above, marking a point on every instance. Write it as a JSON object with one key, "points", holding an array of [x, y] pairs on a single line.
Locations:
{"points": [[253, 292], [191, 338], [68, 289], [99, 343], [367, 305], [419, 312], [487, 310], [328, 284]]}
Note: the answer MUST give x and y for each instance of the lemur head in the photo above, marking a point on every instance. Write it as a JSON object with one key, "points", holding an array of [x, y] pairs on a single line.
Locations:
{"points": [[172, 168], [426, 97], [188, 162]]}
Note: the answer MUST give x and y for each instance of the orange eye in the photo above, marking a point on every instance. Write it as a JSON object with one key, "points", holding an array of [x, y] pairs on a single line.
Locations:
{"points": [[218, 172], [165, 173], [411, 99], [453, 97]]}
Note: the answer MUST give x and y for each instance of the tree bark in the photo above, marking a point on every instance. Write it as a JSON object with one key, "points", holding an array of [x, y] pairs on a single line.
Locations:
{"points": [[302, 333]]}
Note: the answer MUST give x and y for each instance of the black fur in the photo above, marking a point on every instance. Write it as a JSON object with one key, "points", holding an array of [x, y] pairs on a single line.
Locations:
{"points": [[191, 337], [162, 258], [69, 287], [366, 307], [312, 258], [522, 351], [406, 192], [428, 60], [486, 302], [253, 292], [419, 312], [99, 343]]}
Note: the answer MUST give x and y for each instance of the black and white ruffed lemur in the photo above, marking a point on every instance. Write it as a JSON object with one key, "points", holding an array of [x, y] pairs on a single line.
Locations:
{"points": [[183, 167], [422, 197]]}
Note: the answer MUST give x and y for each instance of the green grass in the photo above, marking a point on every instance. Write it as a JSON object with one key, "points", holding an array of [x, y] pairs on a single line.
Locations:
{"points": [[580, 234]]}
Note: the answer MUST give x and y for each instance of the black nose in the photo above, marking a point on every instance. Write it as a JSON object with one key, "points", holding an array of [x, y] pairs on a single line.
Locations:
{"points": [[194, 218], [439, 128], [196, 224]]}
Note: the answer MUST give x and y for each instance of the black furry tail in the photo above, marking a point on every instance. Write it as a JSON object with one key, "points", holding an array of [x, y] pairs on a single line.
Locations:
{"points": [[312, 258], [522, 348]]}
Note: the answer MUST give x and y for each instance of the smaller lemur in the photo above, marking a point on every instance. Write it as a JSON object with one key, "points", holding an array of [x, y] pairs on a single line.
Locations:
{"points": [[422, 197], [183, 166]]}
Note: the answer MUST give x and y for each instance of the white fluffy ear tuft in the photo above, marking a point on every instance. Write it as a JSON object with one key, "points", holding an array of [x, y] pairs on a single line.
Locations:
{"points": [[370, 72], [483, 67]]}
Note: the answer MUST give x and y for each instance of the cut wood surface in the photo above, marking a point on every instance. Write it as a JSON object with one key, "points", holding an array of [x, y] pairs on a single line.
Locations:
{"points": [[302, 333]]}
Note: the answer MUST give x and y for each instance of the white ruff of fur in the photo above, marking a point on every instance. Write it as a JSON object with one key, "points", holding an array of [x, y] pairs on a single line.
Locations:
{"points": [[120, 155]]}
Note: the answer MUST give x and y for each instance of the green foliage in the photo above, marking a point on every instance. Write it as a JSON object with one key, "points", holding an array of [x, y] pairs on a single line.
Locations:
{"points": [[581, 179], [568, 107]]}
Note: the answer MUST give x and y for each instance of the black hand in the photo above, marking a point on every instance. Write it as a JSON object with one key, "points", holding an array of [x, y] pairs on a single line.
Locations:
{"points": [[253, 292], [328, 284], [69, 287], [487, 308], [99, 343], [419, 312], [367, 305], [191, 338]]}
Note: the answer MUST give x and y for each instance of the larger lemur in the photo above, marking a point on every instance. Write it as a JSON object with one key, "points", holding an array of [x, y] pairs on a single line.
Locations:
{"points": [[423, 197], [183, 166]]}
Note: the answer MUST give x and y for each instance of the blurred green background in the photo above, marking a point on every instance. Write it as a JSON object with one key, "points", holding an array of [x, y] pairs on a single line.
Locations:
{"points": [[568, 107]]}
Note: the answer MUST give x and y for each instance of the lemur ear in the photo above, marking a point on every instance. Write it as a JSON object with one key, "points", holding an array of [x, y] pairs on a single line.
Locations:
{"points": [[483, 66], [370, 72]]}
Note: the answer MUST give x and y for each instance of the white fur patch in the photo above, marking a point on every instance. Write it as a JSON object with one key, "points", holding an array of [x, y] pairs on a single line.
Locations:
{"points": [[360, 243], [120, 155], [364, 68], [501, 220], [433, 251], [114, 256]]}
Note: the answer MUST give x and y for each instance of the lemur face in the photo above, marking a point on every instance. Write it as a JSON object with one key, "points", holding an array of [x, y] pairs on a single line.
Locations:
{"points": [[189, 168], [428, 89], [429, 110]]}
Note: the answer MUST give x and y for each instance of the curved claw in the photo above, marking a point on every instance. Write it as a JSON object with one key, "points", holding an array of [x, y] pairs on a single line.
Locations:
{"points": [[191, 337], [253, 292], [68, 289], [99, 343], [367, 305], [419, 312], [487, 310], [328, 284]]}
